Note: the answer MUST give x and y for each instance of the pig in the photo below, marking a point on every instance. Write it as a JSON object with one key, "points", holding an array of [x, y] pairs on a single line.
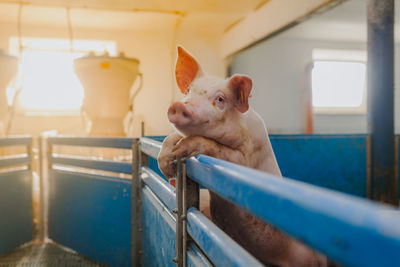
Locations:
{"points": [[214, 118]]}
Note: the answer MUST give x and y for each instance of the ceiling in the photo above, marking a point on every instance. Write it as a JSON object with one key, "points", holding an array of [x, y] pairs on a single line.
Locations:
{"points": [[346, 22], [213, 15]]}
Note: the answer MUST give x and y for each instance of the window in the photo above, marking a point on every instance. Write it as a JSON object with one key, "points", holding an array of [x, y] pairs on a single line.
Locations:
{"points": [[46, 76], [339, 83]]}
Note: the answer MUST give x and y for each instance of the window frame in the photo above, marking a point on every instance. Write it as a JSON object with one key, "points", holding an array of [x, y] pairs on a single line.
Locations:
{"points": [[351, 56], [109, 46]]}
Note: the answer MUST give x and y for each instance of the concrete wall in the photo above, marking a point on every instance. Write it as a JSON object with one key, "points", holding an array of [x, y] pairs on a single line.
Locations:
{"points": [[277, 67]]}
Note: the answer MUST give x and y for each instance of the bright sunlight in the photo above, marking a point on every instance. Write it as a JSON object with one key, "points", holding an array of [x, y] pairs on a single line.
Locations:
{"points": [[46, 73]]}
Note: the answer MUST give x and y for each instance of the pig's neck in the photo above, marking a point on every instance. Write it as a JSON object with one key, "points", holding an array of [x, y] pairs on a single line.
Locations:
{"points": [[232, 134], [249, 135]]}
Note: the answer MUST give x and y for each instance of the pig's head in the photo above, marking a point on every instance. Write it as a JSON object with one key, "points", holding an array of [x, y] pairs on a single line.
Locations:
{"points": [[212, 106]]}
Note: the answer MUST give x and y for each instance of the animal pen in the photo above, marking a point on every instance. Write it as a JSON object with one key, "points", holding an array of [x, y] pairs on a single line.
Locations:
{"points": [[122, 212]]}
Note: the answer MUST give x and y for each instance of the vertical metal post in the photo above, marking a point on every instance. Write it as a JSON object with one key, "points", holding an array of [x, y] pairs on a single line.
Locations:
{"points": [[136, 204], [396, 164], [381, 99], [191, 198], [308, 106], [142, 129], [29, 151], [179, 216], [187, 195], [41, 186]]}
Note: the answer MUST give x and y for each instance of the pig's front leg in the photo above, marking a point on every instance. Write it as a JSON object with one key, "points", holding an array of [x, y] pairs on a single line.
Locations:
{"points": [[193, 145], [166, 157]]}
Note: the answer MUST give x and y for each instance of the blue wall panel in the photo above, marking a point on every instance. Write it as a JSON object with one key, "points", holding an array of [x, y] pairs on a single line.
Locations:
{"points": [[337, 162], [92, 215], [16, 222], [158, 235]]}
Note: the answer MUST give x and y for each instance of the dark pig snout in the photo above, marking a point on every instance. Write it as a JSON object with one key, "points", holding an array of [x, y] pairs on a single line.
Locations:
{"points": [[179, 114]]}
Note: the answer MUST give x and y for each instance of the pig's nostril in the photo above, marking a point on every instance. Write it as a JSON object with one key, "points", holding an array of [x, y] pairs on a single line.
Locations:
{"points": [[173, 112], [184, 114]]}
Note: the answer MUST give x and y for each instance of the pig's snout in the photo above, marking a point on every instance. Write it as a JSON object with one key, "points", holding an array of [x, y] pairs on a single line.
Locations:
{"points": [[179, 114]]}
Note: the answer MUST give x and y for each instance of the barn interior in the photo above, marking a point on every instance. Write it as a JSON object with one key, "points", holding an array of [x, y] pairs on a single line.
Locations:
{"points": [[106, 69]]}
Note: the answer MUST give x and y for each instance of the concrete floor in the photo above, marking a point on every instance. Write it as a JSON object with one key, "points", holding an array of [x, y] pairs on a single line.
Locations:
{"points": [[45, 255]]}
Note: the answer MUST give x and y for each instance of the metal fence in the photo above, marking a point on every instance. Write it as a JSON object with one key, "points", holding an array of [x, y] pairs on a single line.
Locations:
{"points": [[16, 206], [350, 230]]}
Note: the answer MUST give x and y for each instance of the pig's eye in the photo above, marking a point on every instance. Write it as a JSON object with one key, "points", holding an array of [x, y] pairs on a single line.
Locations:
{"points": [[219, 101]]}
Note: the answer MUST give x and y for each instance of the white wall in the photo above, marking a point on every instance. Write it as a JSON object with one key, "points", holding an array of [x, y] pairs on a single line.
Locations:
{"points": [[277, 67]]}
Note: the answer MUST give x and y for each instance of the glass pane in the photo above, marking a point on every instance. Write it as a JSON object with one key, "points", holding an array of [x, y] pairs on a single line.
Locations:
{"points": [[338, 84]]}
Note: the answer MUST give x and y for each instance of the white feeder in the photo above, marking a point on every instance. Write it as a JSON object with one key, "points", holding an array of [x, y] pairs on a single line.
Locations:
{"points": [[107, 82], [8, 70]]}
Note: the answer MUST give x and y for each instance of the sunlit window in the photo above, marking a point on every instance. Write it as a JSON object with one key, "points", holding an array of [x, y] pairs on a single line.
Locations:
{"points": [[46, 77], [339, 86]]}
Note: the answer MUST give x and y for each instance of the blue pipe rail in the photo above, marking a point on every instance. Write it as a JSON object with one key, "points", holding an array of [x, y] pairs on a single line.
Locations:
{"points": [[14, 160], [24, 140], [349, 230], [89, 163], [217, 246], [110, 142]]}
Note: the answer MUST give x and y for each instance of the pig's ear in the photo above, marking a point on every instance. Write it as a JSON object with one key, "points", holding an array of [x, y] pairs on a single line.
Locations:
{"points": [[241, 86], [186, 70]]}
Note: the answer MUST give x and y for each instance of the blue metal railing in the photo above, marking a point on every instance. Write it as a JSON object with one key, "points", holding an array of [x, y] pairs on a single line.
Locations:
{"points": [[16, 159], [90, 198], [89, 162], [350, 230], [110, 142], [218, 246], [16, 210]]}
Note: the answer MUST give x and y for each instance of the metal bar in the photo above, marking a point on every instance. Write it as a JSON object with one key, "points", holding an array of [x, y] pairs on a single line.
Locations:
{"points": [[195, 257], [218, 246], [29, 151], [396, 163], [8, 161], [104, 165], [160, 187], [41, 191], [369, 168], [380, 18], [15, 140], [307, 96], [347, 229], [150, 147], [183, 217], [110, 142], [179, 216], [49, 153], [220, 249], [191, 198], [136, 204]]}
